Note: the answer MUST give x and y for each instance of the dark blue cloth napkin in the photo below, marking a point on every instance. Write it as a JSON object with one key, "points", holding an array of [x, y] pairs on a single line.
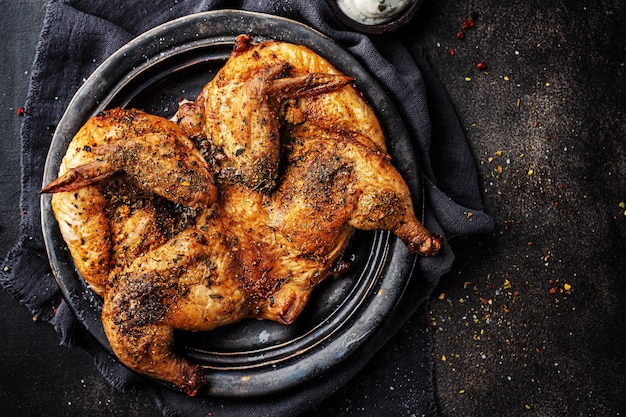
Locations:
{"points": [[79, 34]]}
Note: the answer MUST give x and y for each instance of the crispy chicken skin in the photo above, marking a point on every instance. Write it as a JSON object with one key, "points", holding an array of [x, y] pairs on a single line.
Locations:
{"points": [[239, 111], [292, 161], [106, 219], [154, 151]]}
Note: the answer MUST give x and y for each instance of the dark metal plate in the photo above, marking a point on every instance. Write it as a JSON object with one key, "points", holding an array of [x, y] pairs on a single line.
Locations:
{"points": [[252, 357]]}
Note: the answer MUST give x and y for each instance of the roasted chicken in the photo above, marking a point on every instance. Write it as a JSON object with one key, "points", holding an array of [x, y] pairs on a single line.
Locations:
{"points": [[292, 160]]}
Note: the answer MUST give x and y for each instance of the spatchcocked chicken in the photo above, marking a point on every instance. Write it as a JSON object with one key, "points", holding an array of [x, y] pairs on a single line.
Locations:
{"points": [[235, 208]]}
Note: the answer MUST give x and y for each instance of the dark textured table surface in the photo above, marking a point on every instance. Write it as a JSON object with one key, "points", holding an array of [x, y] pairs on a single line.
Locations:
{"points": [[531, 319]]}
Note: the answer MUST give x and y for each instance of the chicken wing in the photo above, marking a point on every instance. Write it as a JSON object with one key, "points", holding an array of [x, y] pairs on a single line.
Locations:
{"points": [[155, 152], [239, 110], [105, 219]]}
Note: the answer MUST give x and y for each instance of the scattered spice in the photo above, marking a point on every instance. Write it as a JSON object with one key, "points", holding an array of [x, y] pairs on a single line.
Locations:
{"points": [[20, 111], [468, 24], [451, 52], [481, 65]]}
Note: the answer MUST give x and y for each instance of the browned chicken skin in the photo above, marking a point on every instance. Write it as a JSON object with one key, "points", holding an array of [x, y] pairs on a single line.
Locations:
{"points": [[107, 220], [300, 162], [238, 112]]}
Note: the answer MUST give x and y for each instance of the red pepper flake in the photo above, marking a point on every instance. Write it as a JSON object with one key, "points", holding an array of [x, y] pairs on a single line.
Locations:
{"points": [[20, 111], [451, 52], [536, 124], [553, 290], [460, 34], [481, 65], [468, 24]]}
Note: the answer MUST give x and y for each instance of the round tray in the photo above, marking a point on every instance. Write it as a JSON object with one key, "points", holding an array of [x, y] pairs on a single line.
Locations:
{"points": [[251, 357]]}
